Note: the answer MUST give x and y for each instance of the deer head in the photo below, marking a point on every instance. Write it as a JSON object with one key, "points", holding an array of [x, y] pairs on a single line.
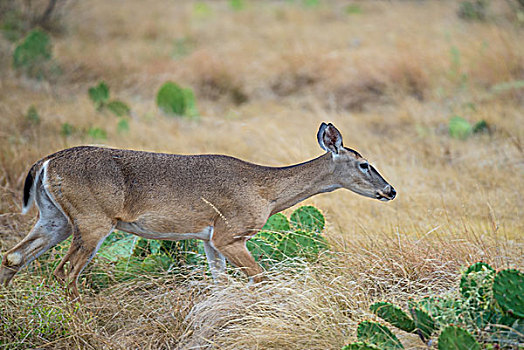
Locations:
{"points": [[351, 170]]}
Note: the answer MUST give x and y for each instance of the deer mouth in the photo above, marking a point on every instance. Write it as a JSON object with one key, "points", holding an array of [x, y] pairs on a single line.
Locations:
{"points": [[381, 196]]}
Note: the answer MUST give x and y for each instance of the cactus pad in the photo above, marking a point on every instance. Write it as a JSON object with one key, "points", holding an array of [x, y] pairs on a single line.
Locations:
{"points": [[508, 291], [360, 346], [156, 263], [34, 49], [424, 323], [455, 338], [99, 94], [277, 222], [394, 315], [302, 243], [475, 284], [264, 247], [308, 218], [377, 334], [171, 99]]}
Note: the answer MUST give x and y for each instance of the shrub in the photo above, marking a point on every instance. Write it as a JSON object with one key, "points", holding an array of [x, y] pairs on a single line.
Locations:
{"points": [[237, 5], [18, 17], [97, 133], [176, 101], [100, 96], [33, 53], [473, 10], [67, 129], [460, 128], [32, 115]]}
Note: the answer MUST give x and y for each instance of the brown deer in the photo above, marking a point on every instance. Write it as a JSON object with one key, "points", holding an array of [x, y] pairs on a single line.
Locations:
{"points": [[90, 191]]}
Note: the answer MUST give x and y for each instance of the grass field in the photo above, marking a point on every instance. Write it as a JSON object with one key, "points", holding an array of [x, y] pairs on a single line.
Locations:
{"points": [[389, 75]]}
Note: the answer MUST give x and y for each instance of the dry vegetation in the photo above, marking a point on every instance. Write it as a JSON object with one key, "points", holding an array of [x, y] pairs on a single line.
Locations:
{"points": [[389, 77]]}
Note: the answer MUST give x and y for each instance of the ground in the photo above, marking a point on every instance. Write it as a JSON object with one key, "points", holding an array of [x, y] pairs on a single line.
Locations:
{"points": [[389, 75]]}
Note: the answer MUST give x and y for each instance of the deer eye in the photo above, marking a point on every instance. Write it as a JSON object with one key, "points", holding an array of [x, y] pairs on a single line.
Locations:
{"points": [[364, 167]]}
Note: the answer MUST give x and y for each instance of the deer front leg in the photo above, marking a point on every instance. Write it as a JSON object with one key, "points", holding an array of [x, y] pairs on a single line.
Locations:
{"points": [[237, 254]]}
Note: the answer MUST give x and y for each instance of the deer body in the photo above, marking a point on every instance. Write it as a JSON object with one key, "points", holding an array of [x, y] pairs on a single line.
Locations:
{"points": [[224, 201]]}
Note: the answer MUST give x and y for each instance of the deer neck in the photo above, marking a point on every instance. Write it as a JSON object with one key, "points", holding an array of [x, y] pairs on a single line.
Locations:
{"points": [[296, 183]]}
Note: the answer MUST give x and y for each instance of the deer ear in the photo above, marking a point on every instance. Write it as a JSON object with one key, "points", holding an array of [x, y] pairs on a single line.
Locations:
{"points": [[329, 138]]}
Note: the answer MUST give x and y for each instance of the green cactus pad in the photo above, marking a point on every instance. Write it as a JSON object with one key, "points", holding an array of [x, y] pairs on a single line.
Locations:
{"points": [[394, 315], [118, 245], [264, 246], [277, 222], [308, 218], [191, 108], [171, 99], [360, 346], [118, 108], [475, 284], [455, 338], [302, 243], [459, 128], [424, 323], [143, 247], [99, 94], [127, 269], [156, 263], [186, 252], [33, 50], [508, 291], [377, 334]]}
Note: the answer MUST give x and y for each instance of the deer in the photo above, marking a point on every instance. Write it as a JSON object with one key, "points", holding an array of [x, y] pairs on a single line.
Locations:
{"points": [[89, 191]]}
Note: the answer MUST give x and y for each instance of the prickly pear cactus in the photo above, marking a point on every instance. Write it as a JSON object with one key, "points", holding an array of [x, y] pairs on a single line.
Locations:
{"points": [[360, 346], [302, 243], [191, 108], [394, 315], [187, 252], [277, 222], [374, 333], [278, 240], [455, 338], [127, 269], [308, 218], [171, 99], [264, 247], [475, 285], [99, 94], [508, 291], [424, 323], [156, 263], [32, 52], [144, 247]]}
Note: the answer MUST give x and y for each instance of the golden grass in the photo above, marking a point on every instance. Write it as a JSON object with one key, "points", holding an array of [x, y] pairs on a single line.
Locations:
{"points": [[389, 78]]}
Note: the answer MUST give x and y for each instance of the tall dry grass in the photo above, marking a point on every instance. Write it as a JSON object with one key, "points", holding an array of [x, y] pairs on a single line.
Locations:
{"points": [[265, 77]]}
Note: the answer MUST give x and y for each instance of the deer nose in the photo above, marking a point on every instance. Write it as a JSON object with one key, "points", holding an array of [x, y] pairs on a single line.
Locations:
{"points": [[390, 191]]}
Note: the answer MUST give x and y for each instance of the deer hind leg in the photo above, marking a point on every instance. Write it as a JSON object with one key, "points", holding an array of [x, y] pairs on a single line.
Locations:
{"points": [[51, 228], [88, 236], [216, 261]]}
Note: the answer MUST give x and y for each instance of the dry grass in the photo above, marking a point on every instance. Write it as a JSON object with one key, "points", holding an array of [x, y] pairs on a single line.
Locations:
{"points": [[265, 77]]}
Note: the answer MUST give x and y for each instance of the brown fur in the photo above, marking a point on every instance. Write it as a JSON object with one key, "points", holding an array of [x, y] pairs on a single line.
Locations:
{"points": [[98, 188]]}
